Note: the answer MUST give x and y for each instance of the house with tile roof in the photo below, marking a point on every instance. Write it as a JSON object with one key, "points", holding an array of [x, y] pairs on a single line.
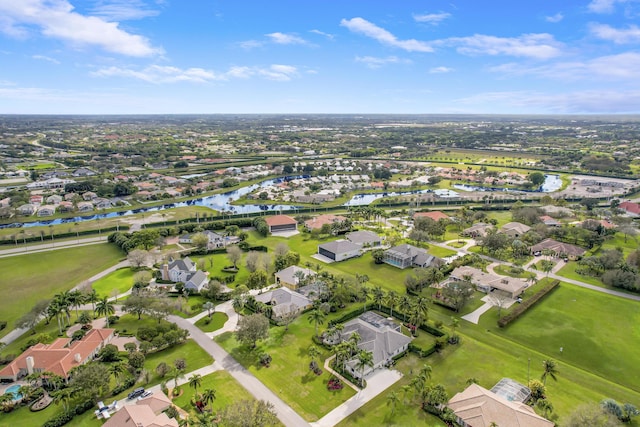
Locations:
{"points": [[479, 407], [59, 357], [559, 249], [290, 276], [147, 412], [514, 229], [434, 215], [379, 336], [284, 302], [487, 282], [280, 223], [320, 220], [364, 238]]}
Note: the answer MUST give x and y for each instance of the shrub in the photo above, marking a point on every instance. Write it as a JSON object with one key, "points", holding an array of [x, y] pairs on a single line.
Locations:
{"points": [[3, 324]]}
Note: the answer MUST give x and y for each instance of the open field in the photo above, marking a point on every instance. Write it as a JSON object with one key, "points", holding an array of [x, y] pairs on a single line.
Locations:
{"points": [[56, 271], [120, 280]]}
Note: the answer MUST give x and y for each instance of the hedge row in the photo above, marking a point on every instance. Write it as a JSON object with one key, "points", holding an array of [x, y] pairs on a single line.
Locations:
{"points": [[65, 417], [524, 306], [46, 238], [422, 352]]}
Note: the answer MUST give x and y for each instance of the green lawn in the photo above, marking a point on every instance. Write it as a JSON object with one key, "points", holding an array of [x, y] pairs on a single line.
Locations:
{"points": [[440, 252], [228, 391], [289, 375], [33, 277], [194, 355], [505, 270], [120, 280], [217, 321]]}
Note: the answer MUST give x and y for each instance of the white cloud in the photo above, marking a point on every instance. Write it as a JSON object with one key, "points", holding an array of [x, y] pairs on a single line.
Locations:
{"points": [[158, 74], [555, 18], [46, 58], [623, 66], [591, 101], [440, 70], [618, 36], [362, 26], [538, 46], [57, 19], [250, 44], [321, 33], [123, 10], [375, 62], [432, 18], [603, 6], [282, 38]]}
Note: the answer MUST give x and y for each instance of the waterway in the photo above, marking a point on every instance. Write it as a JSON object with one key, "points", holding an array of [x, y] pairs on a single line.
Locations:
{"points": [[551, 183], [222, 202]]}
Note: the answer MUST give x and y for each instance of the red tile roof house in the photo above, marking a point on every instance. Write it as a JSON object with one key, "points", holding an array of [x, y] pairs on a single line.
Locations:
{"points": [[59, 357], [280, 223], [434, 215], [633, 209]]}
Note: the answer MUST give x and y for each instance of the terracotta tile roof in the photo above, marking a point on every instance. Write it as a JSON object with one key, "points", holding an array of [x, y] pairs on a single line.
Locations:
{"points": [[434, 215], [279, 220], [321, 220]]}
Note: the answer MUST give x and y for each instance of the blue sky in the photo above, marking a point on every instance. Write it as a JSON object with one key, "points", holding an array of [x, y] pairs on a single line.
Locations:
{"points": [[330, 56]]}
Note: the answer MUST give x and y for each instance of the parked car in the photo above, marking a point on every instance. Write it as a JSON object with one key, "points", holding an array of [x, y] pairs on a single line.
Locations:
{"points": [[135, 393], [145, 394]]}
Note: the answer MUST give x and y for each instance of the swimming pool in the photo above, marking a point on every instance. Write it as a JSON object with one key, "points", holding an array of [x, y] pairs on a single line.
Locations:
{"points": [[14, 389]]}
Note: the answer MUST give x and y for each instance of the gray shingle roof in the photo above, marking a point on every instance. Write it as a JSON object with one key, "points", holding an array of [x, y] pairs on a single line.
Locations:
{"points": [[339, 246]]}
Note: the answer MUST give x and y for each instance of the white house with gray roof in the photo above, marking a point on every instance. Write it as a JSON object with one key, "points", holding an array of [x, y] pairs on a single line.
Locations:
{"points": [[290, 276], [403, 256], [197, 281], [364, 238], [184, 270], [379, 336], [284, 302]]}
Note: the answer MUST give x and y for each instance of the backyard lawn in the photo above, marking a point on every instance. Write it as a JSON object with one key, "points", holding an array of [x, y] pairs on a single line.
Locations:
{"points": [[119, 281], [289, 375], [56, 271]]}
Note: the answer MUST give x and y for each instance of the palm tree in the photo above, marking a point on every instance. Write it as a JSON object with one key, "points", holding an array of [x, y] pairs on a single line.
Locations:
{"points": [[209, 306], [63, 396], [364, 295], [365, 358], [76, 299], [454, 325], [550, 370], [317, 317], [116, 369], [404, 305], [195, 381], [545, 406], [378, 296], [405, 390], [392, 300], [313, 354], [105, 308], [208, 396], [392, 400], [92, 297], [55, 310]]}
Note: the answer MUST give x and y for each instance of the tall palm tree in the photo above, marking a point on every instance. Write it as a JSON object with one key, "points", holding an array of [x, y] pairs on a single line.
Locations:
{"points": [[550, 370], [404, 305], [364, 359], [317, 317], [208, 396], [92, 297], [392, 400], [314, 353], [364, 295], [63, 396], [105, 308], [55, 310], [392, 300], [195, 381], [76, 299], [209, 306], [378, 296]]}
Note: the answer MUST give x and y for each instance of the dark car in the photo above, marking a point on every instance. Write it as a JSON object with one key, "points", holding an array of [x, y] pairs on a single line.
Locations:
{"points": [[135, 393]]}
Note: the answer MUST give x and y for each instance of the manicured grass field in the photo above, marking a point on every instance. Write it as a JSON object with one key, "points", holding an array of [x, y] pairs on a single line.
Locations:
{"points": [[588, 326], [194, 355], [505, 270], [289, 375], [217, 321], [33, 277], [228, 391], [120, 280]]}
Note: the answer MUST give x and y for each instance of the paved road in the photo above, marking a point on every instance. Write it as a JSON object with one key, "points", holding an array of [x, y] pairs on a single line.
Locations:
{"points": [[286, 415]]}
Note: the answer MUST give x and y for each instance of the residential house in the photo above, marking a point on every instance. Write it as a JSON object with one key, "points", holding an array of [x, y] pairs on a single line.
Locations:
{"points": [[36, 199], [197, 281], [479, 407], [46, 210], [5, 203], [147, 412], [59, 357], [54, 199], [83, 172], [65, 206], [514, 229], [101, 203], [284, 302], [379, 336], [550, 221], [27, 209], [179, 270], [632, 209], [364, 239], [487, 282], [403, 256], [320, 220], [88, 196], [215, 240], [281, 223], [480, 229], [290, 277], [339, 250], [434, 215], [85, 206], [558, 249]]}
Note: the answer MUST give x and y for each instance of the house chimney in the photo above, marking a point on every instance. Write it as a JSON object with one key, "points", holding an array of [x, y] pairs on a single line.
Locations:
{"points": [[165, 272], [77, 357], [30, 364]]}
